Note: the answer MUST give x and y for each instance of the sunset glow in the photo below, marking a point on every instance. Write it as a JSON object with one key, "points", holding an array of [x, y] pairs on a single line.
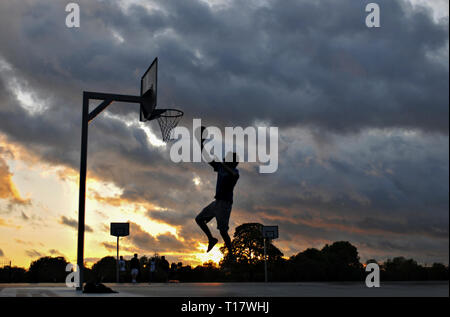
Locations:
{"points": [[54, 193]]}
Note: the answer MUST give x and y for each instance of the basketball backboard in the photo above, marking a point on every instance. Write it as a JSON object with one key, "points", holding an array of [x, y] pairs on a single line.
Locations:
{"points": [[120, 229], [149, 88], [270, 232]]}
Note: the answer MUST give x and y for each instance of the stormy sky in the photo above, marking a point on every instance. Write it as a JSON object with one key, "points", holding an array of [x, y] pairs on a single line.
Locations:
{"points": [[362, 114]]}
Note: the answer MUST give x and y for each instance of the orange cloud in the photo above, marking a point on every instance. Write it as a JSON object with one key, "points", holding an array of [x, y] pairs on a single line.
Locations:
{"points": [[118, 201], [17, 151], [4, 223], [8, 189]]}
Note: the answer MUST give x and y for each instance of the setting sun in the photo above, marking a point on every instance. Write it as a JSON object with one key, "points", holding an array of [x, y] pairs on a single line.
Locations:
{"points": [[214, 255]]}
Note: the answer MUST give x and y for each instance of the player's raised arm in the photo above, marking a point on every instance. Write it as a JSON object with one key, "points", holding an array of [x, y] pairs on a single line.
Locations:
{"points": [[229, 170], [214, 163], [202, 139]]}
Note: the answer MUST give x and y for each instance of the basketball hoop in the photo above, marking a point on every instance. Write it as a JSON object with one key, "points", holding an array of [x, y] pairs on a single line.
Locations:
{"points": [[168, 119]]}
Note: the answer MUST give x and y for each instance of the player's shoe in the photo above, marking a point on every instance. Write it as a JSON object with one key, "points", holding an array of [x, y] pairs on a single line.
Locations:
{"points": [[211, 244]]}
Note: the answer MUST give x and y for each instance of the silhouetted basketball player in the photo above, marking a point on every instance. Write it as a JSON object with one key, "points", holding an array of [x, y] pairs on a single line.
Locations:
{"points": [[220, 208]]}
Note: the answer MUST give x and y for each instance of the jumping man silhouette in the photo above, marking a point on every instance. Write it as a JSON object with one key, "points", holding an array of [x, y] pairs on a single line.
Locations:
{"points": [[220, 208]]}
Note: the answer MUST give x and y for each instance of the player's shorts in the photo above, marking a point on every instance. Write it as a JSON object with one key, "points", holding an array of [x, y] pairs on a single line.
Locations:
{"points": [[134, 271], [220, 209]]}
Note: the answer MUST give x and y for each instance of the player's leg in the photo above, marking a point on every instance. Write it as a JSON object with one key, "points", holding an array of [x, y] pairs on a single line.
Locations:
{"points": [[202, 219], [223, 218], [202, 224], [226, 238]]}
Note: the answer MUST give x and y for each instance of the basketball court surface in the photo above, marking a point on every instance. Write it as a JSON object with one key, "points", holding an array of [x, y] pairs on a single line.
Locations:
{"points": [[344, 289]]}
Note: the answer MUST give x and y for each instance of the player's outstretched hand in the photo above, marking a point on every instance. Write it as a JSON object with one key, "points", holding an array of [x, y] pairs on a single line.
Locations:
{"points": [[202, 128]]}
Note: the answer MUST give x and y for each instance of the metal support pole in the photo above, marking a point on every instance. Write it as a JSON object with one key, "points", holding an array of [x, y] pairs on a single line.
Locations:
{"points": [[86, 117], [117, 270], [82, 191], [99, 109], [265, 262]]}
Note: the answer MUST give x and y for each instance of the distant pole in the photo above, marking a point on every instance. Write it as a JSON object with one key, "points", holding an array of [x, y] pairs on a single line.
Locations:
{"points": [[265, 262], [82, 192], [117, 266]]}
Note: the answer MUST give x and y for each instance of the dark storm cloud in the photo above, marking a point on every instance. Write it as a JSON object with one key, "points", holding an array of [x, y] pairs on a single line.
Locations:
{"points": [[309, 64], [73, 223], [417, 226], [271, 62], [408, 177], [171, 217], [161, 243], [368, 189]]}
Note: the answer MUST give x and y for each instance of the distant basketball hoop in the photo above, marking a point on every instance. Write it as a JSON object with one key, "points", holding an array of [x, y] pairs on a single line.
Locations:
{"points": [[119, 229], [268, 232]]}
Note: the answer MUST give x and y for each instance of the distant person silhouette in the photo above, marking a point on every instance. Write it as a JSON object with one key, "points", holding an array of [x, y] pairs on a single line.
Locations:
{"points": [[134, 266], [164, 265], [152, 270], [220, 208], [122, 268]]}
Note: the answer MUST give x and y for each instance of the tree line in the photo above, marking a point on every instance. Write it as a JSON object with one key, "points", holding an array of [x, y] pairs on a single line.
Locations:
{"points": [[336, 262]]}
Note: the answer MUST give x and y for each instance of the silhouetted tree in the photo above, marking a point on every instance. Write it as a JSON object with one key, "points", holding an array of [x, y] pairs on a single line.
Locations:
{"points": [[401, 269], [372, 261], [342, 261], [48, 269], [438, 271], [105, 270], [338, 261], [248, 248], [309, 265], [10, 274], [248, 245], [184, 274]]}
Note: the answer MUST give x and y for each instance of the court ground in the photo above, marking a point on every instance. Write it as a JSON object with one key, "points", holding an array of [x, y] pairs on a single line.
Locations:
{"points": [[388, 289]]}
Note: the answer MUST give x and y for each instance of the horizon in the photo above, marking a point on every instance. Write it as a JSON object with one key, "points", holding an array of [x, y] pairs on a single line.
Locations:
{"points": [[91, 261]]}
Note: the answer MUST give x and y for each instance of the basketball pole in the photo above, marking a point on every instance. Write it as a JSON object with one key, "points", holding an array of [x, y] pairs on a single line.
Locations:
{"points": [[82, 192], [117, 266], [147, 100], [265, 261], [87, 117]]}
